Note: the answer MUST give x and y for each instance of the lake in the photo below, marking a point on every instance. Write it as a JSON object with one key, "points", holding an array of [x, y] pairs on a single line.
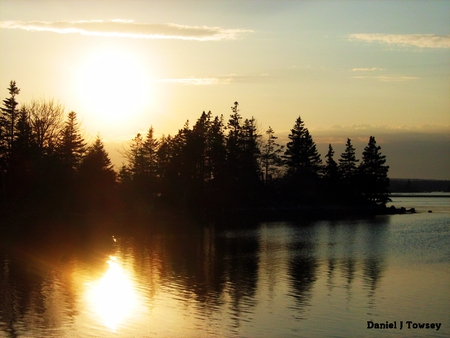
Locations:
{"points": [[271, 279]]}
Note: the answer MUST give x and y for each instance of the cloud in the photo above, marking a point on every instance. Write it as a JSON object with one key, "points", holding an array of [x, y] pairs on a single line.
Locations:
{"points": [[128, 29], [373, 69], [388, 78], [365, 130], [218, 80], [406, 40]]}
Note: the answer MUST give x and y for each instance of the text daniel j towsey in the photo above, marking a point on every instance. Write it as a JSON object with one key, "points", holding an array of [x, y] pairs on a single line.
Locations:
{"points": [[408, 325]]}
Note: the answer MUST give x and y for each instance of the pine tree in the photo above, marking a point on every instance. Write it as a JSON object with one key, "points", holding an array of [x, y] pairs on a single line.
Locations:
{"points": [[150, 150], [347, 164], [301, 156], [234, 143], [373, 174], [96, 179], [270, 156], [8, 118], [71, 146], [331, 167], [251, 151], [216, 150], [96, 164]]}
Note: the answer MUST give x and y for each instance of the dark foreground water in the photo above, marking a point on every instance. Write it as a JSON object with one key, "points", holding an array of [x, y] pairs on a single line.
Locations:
{"points": [[276, 279]]}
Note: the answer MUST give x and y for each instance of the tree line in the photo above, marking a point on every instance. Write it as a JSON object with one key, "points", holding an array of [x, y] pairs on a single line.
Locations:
{"points": [[212, 167]]}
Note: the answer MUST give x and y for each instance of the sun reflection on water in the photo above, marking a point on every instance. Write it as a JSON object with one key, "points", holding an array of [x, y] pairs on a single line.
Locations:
{"points": [[113, 297]]}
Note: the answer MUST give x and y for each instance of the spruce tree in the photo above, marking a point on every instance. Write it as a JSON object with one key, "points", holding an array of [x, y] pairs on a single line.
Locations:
{"points": [[347, 164], [373, 172], [96, 179], [270, 156], [301, 156], [71, 146], [331, 167], [8, 118]]}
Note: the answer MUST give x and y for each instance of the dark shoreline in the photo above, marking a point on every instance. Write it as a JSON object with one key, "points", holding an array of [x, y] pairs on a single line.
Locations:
{"points": [[47, 220], [419, 195]]}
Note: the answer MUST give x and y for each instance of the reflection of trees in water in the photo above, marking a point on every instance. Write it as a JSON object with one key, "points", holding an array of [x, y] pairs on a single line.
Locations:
{"points": [[272, 250], [359, 245], [376, 239], [302, 270], [241, 273], [36, 288], [373, 271], [199, 265], [9, 298]]}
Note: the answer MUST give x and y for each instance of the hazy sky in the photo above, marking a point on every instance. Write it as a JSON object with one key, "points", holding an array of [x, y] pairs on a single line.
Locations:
{"points": [[348, 68]]}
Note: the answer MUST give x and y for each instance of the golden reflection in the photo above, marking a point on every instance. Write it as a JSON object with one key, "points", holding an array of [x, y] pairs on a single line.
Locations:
{"points": [[113, 297]]}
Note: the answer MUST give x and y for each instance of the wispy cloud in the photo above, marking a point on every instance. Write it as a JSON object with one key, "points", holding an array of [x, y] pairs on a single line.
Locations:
{"points": [[216, 80], [389, 78], [359, 129], [128, 29], [406, 40], [373, 69]]}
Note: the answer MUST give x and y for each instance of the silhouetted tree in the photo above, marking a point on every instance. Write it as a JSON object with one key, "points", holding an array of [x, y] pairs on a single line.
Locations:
{"points": [[271, 156], [234, 143], [347, 163], [303, 165], [96, 179], [71, 146], [331, 177], [141, 173], [251, 150], [301, 156], [331, 167], [348, 173], [21, 162], [63, 165], [243, 151], [216, 152], [8, 121], [8, 117], [46, 119], [374, 182]]}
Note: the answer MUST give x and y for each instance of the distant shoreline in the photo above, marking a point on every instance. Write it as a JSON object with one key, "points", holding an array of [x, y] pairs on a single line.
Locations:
{"points": [[421, 194]]}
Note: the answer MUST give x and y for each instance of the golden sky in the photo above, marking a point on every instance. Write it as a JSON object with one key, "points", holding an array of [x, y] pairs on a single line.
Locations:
{"points": [[348, 68]]}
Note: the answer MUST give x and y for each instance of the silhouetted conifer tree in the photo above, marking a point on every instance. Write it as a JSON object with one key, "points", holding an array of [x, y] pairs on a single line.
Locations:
{"points": [[374, 182], [8, 121], [303, 164], [331, 167], [234, 143], [69, 153], [347, 163], [71, 146], [96, 179], [301, 156], [331, 177], [8, 117], [348, 173], [271, 156]]}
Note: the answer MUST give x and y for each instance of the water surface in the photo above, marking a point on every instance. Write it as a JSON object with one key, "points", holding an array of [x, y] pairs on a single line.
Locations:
{"points": [[272, 279]]}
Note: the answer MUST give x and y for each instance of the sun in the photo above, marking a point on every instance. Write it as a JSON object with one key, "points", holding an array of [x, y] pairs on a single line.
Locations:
{"points": [[114, 87]]}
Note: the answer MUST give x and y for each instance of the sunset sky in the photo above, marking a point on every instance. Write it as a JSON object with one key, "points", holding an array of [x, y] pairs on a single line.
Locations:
{"points": [[348, 68]]}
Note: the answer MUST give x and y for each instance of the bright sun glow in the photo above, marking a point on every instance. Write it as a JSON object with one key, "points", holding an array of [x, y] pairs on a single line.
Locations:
{"points": [[114, 86], [113, 297]]}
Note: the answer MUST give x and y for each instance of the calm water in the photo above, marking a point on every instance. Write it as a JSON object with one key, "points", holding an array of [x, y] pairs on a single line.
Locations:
{"points": [[277, 279]]}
